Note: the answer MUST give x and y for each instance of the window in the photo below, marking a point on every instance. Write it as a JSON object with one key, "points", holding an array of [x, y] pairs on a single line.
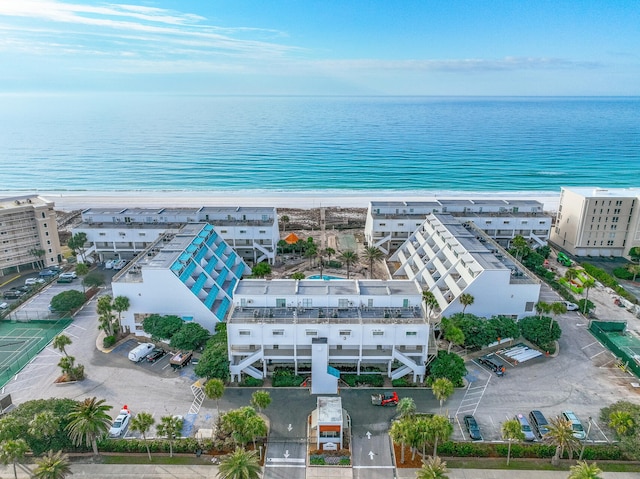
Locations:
{"points": [[400, 224], [44, 224], [370, 303], [311, 332], [278, 332], [307, 302], [377, 332], [615, 219], [281, 303], [343, 303], [244, 332], [142, 234], [345, 332], [243, 232], [610, 243], [103, 234], [529, 306], [223, 231], [383, 224], [412, 333], [263, 232]]}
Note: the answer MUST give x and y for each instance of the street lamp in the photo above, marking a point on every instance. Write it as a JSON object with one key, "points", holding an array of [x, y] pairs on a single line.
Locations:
{"points": [[584, 443]]}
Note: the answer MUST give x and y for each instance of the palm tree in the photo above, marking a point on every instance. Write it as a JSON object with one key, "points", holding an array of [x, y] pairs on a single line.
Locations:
{"points": [[82, 270], [587, 285], [121, 304], [583, 470], [621, 422], [12, 451], [372, 254], [214, 389], [88, 421], [104, 308], [240, 464], [512, 431], [261, 400], [349, 257], [439, 428], [329, 252], [142, 422], [60, 342], [571, 274], [634, 269], [255, 427], [442, 388], [38, 253], [285, 220], [543, 308], [399, 433], [406, 407], [433, 468], [311, 253], [466, 299], [430, 302], [454, 335], [520, 245], [561, 435], [171, 427], [556, 309], [52, 466]]}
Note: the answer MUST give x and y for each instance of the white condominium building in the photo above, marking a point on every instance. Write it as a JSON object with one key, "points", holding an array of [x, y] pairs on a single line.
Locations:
{"points": [[124, 232], [28, 233], [448, 259], [190, 274], [598, 221], [390, 223], [355, 322]]}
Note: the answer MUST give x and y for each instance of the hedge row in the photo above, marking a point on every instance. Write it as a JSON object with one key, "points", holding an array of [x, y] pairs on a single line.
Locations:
{"points": [[353, 380], [480, 449], [185, 445], [605, 278]]}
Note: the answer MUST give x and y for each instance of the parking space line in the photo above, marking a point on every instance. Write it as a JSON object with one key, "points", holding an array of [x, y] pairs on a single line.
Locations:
{"points": [[598, 354], [591, 344], [601, 431]]}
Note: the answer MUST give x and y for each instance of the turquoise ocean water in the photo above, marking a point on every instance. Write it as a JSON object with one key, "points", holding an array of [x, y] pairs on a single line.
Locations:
{"points": [[275, 144]]}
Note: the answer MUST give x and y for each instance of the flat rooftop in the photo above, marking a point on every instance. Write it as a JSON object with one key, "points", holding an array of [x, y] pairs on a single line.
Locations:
{"points": [[329, 410], [596, 192]]}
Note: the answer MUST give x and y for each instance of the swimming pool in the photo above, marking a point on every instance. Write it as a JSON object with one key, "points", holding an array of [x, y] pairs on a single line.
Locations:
{"points": [[324, 276]]}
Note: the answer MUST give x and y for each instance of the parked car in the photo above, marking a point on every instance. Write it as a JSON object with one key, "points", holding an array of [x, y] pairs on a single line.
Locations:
{"points": [[13, 293], [492, 362], [121, 422], [4, 305], [472, 427], [66, 279], [576, 425], [570, 306], [33, 281], [525, 427], [155, 354], [140, 352], [539, 423], [47, 273], [180, 359], [71, 275]]}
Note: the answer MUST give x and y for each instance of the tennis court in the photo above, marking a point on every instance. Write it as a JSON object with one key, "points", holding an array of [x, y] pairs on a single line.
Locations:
{"points": [[20, 342]]}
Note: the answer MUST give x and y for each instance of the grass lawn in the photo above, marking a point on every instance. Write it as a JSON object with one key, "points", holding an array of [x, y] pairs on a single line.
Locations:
{"points": [[165, 460], [533, 464]]}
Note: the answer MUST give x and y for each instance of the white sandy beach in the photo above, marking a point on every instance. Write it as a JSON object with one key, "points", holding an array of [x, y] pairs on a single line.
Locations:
{"points": [[77, 200]]}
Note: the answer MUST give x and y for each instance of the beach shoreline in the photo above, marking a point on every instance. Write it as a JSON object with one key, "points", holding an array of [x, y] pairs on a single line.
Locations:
{"points": [[299, 199]]}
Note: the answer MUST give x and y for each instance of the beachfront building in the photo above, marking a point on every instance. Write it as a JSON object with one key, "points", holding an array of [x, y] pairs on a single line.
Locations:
{"points": [[390, 223], [122, 233], [446, 257], [319, 326], [28, 233], [598, 221], [190, 273]]}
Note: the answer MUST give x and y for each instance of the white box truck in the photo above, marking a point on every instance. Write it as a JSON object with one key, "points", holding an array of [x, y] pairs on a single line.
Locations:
{"points": [[140, 352]]}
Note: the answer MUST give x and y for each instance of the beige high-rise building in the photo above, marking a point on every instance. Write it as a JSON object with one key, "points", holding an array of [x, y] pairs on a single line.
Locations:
{"points": [[28, 233], [597, 221]]}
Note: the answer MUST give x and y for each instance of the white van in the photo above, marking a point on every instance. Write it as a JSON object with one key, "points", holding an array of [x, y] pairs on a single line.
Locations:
{"points": [[4, 305], [140, 352]]}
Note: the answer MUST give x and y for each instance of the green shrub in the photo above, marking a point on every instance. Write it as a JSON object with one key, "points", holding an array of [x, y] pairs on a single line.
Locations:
{"points": [[542, 451], [316, 460], [285, 377], [622, 273], [403, 382], [108, 341], [250, 382], [344, 461], [334, 264], [354, 380]]}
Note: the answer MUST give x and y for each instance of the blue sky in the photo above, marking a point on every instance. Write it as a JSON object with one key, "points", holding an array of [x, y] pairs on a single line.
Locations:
{"points": [[329, 47]]}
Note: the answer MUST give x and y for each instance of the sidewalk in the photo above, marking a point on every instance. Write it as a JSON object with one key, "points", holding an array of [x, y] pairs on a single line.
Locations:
{"points": [[508, 474]]}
